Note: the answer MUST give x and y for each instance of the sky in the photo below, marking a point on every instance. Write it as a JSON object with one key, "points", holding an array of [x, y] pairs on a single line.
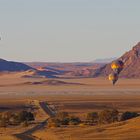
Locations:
{"points": [[67, 30]]}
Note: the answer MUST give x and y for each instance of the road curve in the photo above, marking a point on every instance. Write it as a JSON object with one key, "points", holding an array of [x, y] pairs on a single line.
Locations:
{"points": [[27, 135]]}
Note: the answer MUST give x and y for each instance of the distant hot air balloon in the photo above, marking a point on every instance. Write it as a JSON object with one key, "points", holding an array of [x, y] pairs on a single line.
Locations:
{"points": [[113, 77], [117, 66]]}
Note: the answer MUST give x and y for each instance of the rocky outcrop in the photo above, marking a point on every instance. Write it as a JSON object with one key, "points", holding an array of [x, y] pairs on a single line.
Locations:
{"points": [[131, 61]]}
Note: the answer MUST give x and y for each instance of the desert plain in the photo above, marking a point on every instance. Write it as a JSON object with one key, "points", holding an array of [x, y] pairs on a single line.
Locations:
{"points": [[78, 96]]}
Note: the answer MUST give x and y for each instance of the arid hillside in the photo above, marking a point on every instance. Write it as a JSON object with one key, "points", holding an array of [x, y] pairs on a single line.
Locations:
{"points": [[49, 70], [68, 69], [131, 61], [13, 66], [128, 130]]}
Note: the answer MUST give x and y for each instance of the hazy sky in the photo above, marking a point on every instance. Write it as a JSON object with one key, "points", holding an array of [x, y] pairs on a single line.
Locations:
{"points": [[67, 30]]}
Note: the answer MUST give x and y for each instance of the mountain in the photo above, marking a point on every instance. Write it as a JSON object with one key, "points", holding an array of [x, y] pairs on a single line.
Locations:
{"points": [[131, 61], [27, 71], [73, 69], [13, 66]]}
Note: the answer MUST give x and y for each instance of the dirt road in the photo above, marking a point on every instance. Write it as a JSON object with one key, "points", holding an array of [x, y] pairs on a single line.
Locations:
{"points": [[47, 109], [27, 135]]}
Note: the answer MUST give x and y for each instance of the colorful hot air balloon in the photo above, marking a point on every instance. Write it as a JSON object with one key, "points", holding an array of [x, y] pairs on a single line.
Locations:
{"points": [[113, 77], [117, 66]]}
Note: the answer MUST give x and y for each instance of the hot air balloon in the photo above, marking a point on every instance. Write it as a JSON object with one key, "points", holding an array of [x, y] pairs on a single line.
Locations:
{"points": [[117, 66], [113, 77]]}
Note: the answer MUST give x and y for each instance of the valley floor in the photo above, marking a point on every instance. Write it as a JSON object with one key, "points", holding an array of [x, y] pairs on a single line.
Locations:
{"points": [[79, 99]]}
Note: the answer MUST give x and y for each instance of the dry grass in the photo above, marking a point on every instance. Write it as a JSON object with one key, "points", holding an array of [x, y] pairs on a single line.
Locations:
{"points": [[8, 138], [129, 130]]}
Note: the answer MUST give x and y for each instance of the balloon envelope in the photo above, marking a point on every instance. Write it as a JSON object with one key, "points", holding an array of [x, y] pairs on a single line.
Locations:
{"points": [[117, 66], [113, 77]]}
